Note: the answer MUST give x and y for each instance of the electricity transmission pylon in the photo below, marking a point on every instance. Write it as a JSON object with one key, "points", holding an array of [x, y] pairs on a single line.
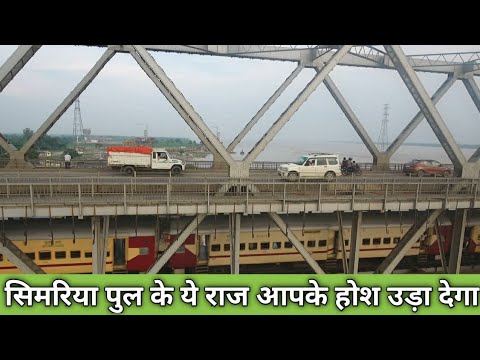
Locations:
{"points": [[383, 137], [77, 121]]}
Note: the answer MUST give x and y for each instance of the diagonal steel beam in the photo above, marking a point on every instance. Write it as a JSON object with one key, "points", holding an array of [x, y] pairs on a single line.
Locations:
{"points": [[295, 105], [191, 226], [265, 107], [74, 94], [6, 144], [15, 63], [18, 257], [355, 243], [412, 125], [473, 90], [475, 157], [176, 98], [458, 233], [420, 95], [352, 118], [293, 239], [409, 239]]}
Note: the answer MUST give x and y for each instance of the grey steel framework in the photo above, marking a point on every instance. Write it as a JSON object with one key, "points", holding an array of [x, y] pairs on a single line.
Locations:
{"points": [[99, 199]]}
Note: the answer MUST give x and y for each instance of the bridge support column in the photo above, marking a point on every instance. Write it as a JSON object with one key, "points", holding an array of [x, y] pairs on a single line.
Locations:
{"points": [[355, 243], [18, 257], [191, 226], [458, 232], [470, 170], [291, 236], [100, 245], [381, 162], [413, 234], [234, 225], [17, 161]]}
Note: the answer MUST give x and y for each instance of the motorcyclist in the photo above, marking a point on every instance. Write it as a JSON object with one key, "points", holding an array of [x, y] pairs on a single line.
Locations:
{"points": [[344, 163], [349, 163]]}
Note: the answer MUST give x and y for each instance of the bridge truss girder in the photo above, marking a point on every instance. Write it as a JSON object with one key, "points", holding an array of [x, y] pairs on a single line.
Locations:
{"points": [[322, 58]]}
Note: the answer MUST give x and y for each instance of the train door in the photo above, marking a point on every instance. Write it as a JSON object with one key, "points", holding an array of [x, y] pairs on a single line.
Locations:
{"points": [[119, 255], [203, 242]]}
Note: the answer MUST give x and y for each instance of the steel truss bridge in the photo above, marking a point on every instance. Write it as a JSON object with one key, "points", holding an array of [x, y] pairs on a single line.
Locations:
{"points": [[239, 192]]}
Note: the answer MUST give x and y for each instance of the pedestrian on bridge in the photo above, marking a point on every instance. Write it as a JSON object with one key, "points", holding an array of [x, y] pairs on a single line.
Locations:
{"points": [[68, 158]]}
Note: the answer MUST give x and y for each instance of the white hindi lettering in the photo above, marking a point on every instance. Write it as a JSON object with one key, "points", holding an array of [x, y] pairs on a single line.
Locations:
{"points": [[159, 294], [60, 290], [349, 295], [117, 295], [417, 296], [468, 293], [298, 295], [20, 292], [189, 294], [235, 295]]}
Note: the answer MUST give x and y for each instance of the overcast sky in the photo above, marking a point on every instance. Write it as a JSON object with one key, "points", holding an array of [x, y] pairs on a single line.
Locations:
{"points": [[227, 93]]}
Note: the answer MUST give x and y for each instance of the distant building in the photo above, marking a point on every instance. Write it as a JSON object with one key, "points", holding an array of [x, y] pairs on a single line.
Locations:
{"points": [[44, 153]]}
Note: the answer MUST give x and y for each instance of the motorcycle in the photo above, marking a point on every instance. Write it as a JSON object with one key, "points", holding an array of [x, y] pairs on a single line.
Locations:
{"points": [[355, 170]]}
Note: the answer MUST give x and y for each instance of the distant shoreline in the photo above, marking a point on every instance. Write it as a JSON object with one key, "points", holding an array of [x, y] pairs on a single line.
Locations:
{"points": [[464, 146]]}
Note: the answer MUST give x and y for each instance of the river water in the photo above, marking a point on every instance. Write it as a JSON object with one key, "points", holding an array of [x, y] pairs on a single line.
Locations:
{"points": [[280, 151]]}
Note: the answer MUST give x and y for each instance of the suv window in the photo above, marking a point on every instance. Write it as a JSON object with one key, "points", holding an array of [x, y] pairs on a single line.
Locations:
{"points": [[321, 161], [332, 161]]}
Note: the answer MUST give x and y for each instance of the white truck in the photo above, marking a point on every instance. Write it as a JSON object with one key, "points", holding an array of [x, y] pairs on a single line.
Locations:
{"points": [[141, 158]]}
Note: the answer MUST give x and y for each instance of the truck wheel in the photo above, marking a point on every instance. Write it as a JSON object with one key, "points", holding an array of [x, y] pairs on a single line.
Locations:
{"points": [[129, 170], [176, 170]]}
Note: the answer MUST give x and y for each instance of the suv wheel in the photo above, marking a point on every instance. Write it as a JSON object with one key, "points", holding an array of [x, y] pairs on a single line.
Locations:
{"points": [[330, 175], [420, 173], [293, 175]]}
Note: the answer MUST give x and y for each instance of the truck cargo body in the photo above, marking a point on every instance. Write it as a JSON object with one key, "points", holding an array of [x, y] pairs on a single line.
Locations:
{"points": [[136, 158]]}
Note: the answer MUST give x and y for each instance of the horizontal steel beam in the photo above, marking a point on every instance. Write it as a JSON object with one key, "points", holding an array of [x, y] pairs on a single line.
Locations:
{"points": [[307, 56]]}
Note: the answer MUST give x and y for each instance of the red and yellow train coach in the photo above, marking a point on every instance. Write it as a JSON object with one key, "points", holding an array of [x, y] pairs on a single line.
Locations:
{"points": [[134, 249], [56, 251]]}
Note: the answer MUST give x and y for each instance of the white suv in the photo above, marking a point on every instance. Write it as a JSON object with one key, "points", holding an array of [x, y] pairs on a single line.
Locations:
{"points": [[312, 166]]}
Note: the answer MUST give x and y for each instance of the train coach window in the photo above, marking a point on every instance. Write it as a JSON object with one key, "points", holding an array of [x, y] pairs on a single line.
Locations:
{"points": [[180, 250], [322, 243], [387, 240], [75, 254], [108, 254], [311, 243], [347, 242], [252, 246], [264, 245], [287, 245], [88, 254], [396, 240], [216, 247], [44, 255], [276, 245], [1, 257], [377, 241], [31, 255], [302, 242], [242, 246], [365, 241], [226, 247], [60, 254], [144, 251]]}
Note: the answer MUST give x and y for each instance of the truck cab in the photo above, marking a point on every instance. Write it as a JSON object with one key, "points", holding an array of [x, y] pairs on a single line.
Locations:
{"points": [[161, 160]]}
